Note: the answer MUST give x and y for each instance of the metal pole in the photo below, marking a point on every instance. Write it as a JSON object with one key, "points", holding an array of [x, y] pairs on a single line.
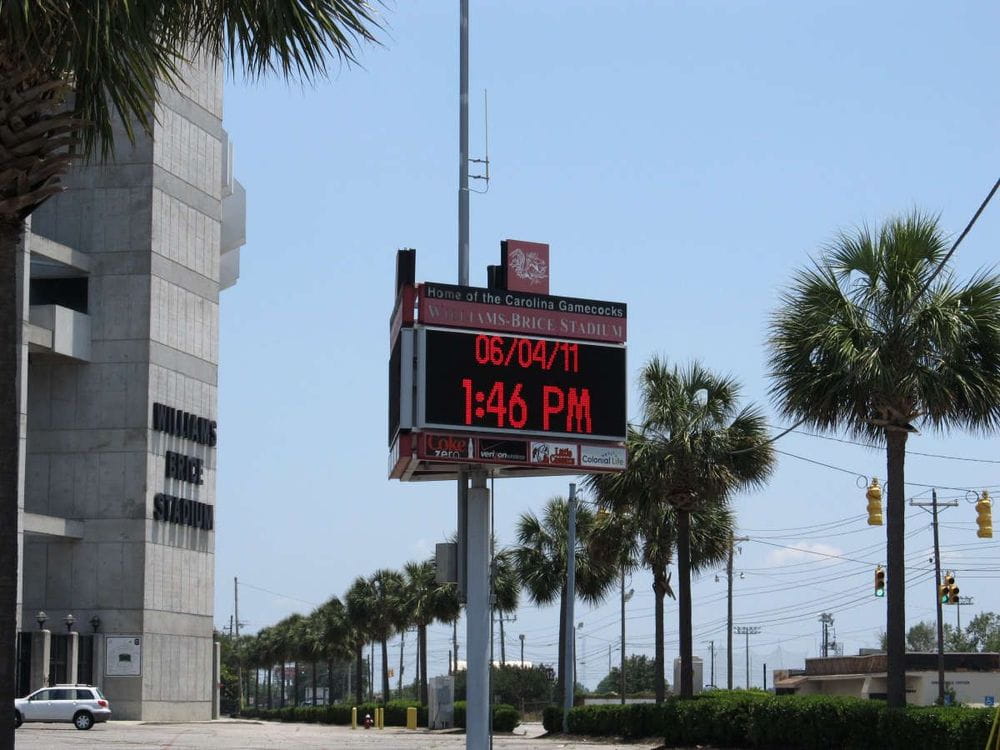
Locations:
{"points": [[463, 145], [236, 644], [621, 676], [937, 596], [729, 616], [477, 612], [712, 647], [747, 631], [570, 676]]}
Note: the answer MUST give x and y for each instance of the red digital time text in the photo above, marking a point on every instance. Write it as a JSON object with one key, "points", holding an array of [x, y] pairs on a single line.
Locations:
{"points": [[501, 407]]}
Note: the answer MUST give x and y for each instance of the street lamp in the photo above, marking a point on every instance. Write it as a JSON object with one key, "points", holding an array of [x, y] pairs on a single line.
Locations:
{"points": [[95, 622], [69, 620], [41, 617]]}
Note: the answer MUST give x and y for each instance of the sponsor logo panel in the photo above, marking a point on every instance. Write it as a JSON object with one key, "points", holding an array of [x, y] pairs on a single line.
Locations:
{"points": [[602, 456], [506, 451], [447, 446], [554, 454]]}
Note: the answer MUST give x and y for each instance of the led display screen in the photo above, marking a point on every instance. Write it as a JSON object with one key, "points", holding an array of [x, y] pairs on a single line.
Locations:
{"points": [[487, 382]]}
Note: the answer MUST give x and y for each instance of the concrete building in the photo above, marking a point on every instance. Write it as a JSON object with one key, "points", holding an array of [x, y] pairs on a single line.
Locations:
{"points": [[972, 678], [121, 280]]}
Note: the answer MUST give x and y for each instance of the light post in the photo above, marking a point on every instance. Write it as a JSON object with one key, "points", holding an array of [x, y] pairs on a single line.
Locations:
{"points": [[69, 620], [41, 617], [522, 649], [95, 623]]}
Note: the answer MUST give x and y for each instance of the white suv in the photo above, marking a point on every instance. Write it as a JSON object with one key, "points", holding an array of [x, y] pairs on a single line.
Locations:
{"points": [[84, 705]]}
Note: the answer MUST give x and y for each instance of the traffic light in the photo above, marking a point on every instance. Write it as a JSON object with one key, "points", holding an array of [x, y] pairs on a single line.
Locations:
{"points": [[879, 580], [874, 495], [985, 518], [948, 591]]}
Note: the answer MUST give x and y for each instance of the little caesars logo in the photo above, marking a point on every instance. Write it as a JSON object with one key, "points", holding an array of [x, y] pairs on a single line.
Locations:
{"points": [[602, 457], [553, 454], [442, 446]]}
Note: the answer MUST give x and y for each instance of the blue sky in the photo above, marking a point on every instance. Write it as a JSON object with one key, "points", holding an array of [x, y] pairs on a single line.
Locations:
{"points": [[682, 157]]}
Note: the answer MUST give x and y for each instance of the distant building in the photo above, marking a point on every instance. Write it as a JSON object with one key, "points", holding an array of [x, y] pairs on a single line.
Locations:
{"points": [[121, 277], [974, 677]]}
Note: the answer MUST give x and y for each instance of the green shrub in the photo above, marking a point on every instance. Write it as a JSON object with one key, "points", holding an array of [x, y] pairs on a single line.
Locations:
{"points": [[760, 720], [505, 717]]}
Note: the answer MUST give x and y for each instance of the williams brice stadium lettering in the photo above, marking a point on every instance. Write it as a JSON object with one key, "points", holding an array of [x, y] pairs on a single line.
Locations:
{"points": [[184, 468]]}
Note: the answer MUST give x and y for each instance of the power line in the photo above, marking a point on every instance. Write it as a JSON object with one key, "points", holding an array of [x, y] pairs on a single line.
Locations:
{"points": [[880, 447], [954, 247]]}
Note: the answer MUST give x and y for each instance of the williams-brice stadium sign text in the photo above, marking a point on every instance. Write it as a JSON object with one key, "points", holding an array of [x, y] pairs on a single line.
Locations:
{"points": [[521, 312]]}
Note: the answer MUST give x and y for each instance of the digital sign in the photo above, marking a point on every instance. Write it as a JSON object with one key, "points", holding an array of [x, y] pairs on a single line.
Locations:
{"points": [[488, 382]]}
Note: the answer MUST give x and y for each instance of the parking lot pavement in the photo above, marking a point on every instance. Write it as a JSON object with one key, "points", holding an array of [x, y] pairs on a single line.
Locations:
{"points": [[247, 735]]}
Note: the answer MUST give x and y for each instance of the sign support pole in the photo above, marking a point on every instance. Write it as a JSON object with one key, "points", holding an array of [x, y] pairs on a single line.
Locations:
{"points": [[477, 615], [569, 654]]}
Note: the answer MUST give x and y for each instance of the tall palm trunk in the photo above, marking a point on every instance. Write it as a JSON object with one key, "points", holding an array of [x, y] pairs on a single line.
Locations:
{"points": [[283, 680], [895, 624], [503, 650], [561, 671], [10, 320], [684, 600], [329, 682], [385, 671], [422, 639], [270, 691], [402, 642], [359, 680], [660, 592]]}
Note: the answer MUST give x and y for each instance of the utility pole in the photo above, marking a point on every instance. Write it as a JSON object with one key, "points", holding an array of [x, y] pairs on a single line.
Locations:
{"points": [[826, 620], [711, 646], [236, 645], [958, 605], [569, 678], [729, 609], [934, 505], [748, 630], [522, 649]]}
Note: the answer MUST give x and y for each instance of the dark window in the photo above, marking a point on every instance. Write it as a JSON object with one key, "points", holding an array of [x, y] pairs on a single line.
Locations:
{"points": [[61, 694], [57, 659], [85, 660], [71, 292], [23, 667]]}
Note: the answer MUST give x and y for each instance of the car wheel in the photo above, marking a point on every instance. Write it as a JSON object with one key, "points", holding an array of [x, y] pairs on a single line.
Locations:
{"points": [[83, 720], [18, 719]]}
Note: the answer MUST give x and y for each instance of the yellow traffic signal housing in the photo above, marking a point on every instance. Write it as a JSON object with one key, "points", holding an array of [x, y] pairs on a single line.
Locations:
{"points": [[879, 580], [874, 495], [984, 509], [948, 591]]}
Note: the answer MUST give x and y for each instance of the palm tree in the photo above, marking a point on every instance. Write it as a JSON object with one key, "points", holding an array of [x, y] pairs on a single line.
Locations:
{"points": [[68, 73], [642, 528], [359, 620], [426, 600], [379, 597], [695, 448], [541, 556], [506, 591], [333, 632], [871, 339]]}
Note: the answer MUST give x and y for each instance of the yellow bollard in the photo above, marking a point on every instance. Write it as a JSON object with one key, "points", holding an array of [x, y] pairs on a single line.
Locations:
{"points": [[354, 717], [411, 717], [381, 718]]}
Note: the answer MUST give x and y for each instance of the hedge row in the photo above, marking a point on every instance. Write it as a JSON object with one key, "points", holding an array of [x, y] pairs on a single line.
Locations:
{"points": [[505, 717], [758, 720], [395, 713]]}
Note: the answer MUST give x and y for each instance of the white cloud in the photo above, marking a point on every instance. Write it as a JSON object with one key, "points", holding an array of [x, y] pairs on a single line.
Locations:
{"points": [[803, 552]]}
